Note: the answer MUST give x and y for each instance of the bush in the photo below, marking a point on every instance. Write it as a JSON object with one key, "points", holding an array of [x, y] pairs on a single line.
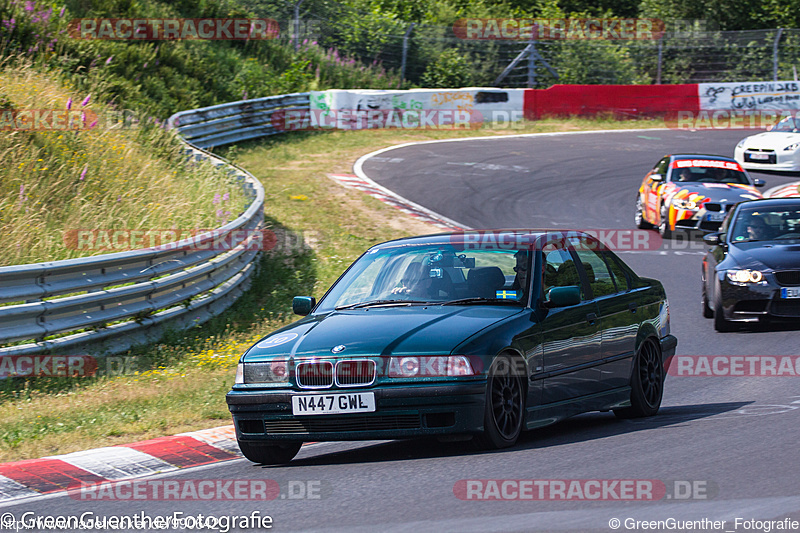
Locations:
{"points": [[451, 69]]}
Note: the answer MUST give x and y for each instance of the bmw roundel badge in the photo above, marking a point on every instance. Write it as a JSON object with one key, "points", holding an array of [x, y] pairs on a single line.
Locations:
{"points": [[339, 348]]}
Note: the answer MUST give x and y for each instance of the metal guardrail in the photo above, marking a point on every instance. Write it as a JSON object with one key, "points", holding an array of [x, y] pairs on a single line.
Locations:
{"points": [[107, 303]]}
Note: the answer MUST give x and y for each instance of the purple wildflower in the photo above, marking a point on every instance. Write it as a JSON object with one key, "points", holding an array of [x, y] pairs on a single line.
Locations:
{"points": [[61, 13], [108, 61], [145, 65], [83, 174], [30, 6], [21, 194], [226, 197], [86, 101], [215, 201]]}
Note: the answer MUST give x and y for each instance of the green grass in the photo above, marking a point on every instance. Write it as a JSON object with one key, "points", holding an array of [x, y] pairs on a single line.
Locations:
{"points": [[54, 182], [182, 381]]}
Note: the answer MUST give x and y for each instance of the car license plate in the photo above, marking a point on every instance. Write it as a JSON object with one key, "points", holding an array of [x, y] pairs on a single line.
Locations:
{"points": [[333, 404], [715, 217], [759, 156], [790, 293]]}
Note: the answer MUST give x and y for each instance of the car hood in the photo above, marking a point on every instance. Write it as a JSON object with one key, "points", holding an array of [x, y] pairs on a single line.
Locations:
{"points": [[774, 255], [771, 140], [714, 192], [432, 330]]}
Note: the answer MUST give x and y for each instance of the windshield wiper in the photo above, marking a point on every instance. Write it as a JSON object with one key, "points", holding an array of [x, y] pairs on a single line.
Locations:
{"points": [[479, 300], [381, 302]]}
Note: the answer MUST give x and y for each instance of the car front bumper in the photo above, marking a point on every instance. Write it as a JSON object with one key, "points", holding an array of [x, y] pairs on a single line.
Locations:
{"points": [[701, 220], [777, 160], [754, 302], [401, 412]]}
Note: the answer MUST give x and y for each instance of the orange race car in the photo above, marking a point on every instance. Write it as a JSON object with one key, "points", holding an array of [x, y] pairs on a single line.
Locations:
{"points": [[692, 191]]}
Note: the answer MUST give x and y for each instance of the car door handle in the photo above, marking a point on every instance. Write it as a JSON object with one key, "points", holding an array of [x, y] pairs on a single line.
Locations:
{"points": [[632, 307], [591, 318]]}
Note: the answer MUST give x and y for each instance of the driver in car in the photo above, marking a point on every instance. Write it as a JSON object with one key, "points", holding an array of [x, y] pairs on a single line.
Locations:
{"points": [[719, 174], [758, 229]]}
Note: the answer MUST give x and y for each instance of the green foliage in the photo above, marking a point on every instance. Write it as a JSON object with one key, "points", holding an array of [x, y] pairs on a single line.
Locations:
{"points": [[451, 69], [159, 78]]}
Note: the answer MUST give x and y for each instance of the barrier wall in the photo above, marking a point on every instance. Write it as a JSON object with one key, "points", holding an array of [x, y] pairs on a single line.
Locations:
{"points": [[620, 100]]}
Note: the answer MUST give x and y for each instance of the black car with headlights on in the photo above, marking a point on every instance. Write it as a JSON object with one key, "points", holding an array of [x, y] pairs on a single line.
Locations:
{"points": [[752, 270], [475, 334]]}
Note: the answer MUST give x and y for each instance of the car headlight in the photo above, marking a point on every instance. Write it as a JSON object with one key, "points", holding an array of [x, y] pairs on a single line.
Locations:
{"points": [[745, 276], [792, 147], [275, 372], [684, 204], [741, 143]]}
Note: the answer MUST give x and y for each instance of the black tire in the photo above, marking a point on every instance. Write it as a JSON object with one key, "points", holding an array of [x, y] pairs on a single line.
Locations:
{"points": [[270, 454], [638, 217], [663, 223], [647, 382], [707, 311], [505, 405], [720, 323]]}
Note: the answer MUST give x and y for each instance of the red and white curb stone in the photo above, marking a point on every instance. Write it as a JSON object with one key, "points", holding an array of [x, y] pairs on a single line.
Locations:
{"points": [[35, 477], [398, 202], [784, 191]]}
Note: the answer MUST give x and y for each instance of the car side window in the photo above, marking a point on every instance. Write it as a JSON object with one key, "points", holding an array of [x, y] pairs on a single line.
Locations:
{"points": [[661, 166], [621, 279], [559, 269], [597, 273]]}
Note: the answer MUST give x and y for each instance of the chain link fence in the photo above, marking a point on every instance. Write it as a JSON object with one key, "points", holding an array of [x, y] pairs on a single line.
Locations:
{"points": [[426, 55]]}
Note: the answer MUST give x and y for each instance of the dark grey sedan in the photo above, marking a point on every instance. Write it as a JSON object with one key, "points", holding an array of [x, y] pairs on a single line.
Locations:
{"points": [[751, 272]]}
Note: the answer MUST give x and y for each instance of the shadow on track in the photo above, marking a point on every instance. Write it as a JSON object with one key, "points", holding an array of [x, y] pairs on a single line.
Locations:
{"points": [[585, 427]]}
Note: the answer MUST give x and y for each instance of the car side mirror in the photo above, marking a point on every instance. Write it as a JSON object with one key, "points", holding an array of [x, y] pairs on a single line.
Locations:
{"points": [[302, 305], [563, 296], [657, 177], [711, 239], [758, 182]]}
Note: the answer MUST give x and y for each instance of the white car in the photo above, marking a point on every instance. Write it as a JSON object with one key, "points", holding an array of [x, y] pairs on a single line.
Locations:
{"points": [[776, 149]]}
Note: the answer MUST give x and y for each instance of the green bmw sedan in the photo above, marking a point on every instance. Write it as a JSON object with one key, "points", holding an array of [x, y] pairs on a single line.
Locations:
{"points": [[478, 334]]}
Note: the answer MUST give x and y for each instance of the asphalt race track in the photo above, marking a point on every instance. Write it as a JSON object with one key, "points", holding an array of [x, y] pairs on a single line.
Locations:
{"points": [[722, 447]]}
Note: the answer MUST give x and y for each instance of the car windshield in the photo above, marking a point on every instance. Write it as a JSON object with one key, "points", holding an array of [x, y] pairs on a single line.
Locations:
{"points": [[707, 174], [788, 124], [431, 274], [760, 224]]}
